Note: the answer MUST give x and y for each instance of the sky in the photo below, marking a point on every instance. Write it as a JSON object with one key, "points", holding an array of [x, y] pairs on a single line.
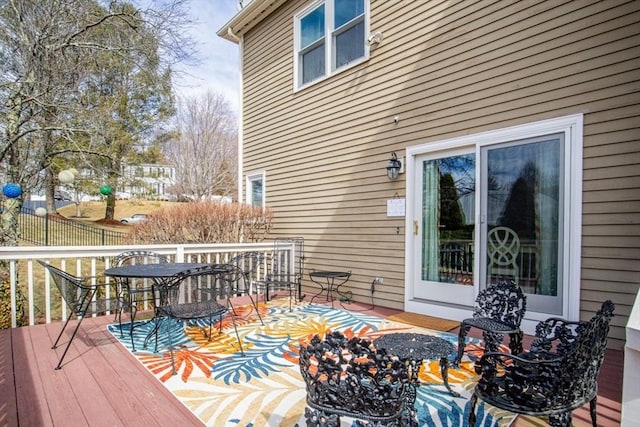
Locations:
{"points": [[218, 70]]}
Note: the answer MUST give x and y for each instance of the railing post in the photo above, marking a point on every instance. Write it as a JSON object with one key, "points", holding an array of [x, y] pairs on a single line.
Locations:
{"points": [[180, 253], [46, 229]]}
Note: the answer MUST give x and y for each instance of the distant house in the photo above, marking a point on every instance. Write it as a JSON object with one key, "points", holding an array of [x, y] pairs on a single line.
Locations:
{"points": [[150, 180], [520, 116]]}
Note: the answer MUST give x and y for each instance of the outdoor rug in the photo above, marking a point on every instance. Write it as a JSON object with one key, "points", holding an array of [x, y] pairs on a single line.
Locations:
{"points": [[265, 388]]}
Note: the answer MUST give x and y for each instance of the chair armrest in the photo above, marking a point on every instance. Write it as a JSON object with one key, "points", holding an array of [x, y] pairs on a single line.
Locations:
{"points": [[497, 364], [100, 281], [498, 359], [527, 378], [555, 334]]}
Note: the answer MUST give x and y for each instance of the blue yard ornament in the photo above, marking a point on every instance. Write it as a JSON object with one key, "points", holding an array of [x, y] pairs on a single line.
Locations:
{"points": [[11, 190]]}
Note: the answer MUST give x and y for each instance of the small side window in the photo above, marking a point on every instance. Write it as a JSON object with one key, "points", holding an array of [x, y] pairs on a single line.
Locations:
{"points": [[255, 190]]}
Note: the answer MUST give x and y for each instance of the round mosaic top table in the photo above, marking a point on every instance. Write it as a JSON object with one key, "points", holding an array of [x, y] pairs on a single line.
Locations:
{"points": [[419, 347]]}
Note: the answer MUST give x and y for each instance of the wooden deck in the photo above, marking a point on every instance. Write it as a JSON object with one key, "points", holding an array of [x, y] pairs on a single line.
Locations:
{"points": [[102, 384]]}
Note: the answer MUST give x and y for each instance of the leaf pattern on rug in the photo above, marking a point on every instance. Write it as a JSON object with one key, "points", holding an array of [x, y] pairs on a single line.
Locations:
{"points": [[273, 402], [185, 359], [263, 359]]}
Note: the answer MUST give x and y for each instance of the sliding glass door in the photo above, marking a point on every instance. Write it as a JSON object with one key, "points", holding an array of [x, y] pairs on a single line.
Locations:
{"points": [[490, 212], [522, 193], [445, 233]]}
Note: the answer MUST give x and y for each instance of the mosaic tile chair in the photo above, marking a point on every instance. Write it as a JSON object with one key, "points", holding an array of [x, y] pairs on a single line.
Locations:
{"points": [[557, 375], [499, 311], [349, 377]]}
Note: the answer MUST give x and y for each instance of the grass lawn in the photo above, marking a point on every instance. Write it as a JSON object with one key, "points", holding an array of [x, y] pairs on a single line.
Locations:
{"points": [[93, 212]]}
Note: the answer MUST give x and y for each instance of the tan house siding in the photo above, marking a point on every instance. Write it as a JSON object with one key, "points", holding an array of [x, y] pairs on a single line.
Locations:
{"points": [[447, 69]]}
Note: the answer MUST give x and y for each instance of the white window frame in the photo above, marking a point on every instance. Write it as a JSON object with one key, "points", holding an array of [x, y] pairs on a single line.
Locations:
{"points": [[329, 33], [249, 180]]}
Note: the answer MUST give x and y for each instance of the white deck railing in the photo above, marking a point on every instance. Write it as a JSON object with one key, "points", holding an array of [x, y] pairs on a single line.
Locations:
{"points": [[29, 276]]}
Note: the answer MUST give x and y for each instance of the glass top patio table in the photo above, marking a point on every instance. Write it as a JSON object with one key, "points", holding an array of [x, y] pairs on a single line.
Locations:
{"points": [[162, 275], [165, 270]]}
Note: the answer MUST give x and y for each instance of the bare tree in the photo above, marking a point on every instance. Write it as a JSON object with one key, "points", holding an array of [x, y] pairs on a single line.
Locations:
{"points": [[204, 152], [49, 51]]}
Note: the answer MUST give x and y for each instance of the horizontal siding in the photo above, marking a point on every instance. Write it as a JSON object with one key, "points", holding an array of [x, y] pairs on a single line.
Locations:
{"points": [[447, 69]]}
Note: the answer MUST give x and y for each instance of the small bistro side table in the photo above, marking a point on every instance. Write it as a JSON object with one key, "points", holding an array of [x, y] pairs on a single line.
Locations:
{"points": [[420, 347], [330, 282]]}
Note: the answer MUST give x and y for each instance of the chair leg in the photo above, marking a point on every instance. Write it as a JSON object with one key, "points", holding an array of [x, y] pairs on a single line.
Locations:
{"points": [[64, 353], [134, 310], [233, 322], [173, 361], [492, 341], [55, 344], [462, 339], [253, 303], [472, 410], [118, 317], [592, 411]]}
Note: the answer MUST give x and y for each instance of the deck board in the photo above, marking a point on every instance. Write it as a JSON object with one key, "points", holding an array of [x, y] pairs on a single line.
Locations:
{"points": [[101, 383], [8, 401]]}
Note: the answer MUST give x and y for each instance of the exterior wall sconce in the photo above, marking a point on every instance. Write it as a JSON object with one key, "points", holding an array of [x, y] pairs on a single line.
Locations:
{"points": [[393, 167]]}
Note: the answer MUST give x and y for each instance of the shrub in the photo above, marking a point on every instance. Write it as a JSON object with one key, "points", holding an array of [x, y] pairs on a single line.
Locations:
{"points": [[204, 222]]}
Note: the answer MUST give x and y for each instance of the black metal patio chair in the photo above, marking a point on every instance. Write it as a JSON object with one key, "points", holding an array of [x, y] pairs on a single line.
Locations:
{"points": [[499, 310], [192, 298], [558, 374], [84, 296], [241, 277], [286, 264]]}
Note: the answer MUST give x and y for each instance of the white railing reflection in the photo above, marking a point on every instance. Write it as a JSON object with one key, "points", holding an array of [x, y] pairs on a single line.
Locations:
{"points": [[457, 258], [42, 304]]}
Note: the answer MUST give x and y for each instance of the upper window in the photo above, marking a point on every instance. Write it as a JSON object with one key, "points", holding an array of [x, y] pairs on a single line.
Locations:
{"points": [[330, 35]]}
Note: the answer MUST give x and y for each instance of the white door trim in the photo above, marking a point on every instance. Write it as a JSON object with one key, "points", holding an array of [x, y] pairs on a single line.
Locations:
{"points": [[572, 126]]}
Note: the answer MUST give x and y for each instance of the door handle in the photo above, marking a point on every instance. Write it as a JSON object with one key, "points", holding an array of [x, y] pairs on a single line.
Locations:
{"points": [[415, 227]]}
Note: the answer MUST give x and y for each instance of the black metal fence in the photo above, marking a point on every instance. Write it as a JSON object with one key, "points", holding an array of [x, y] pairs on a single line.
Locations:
{"points": [[53, 230]]}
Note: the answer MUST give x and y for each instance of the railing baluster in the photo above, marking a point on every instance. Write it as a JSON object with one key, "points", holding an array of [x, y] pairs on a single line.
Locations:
{"points": [[90, 260]]}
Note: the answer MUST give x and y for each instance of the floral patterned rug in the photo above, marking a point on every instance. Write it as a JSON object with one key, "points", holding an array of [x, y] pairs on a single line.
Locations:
{"points": [[265, 388]]}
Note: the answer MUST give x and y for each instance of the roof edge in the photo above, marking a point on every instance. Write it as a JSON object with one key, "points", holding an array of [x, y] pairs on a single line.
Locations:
{"points": [[247, 18]]}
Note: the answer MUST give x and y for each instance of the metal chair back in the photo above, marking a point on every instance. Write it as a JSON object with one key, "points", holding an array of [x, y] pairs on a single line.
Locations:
{"points": [[286, 264], [83, 296], [192, 296]]}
